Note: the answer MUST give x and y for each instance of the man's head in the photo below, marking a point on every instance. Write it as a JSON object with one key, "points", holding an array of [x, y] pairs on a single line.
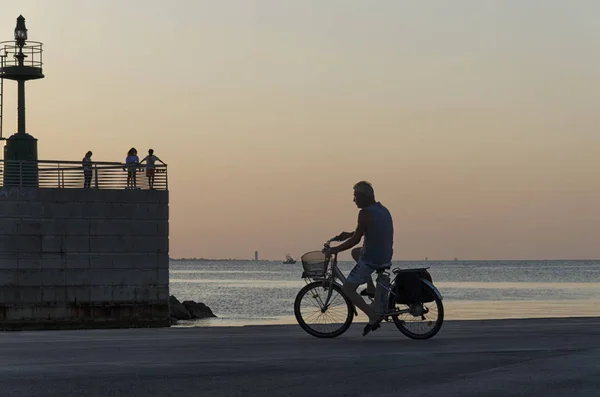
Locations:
{"points": [[88, 154], [150, 152], [363, 194]]}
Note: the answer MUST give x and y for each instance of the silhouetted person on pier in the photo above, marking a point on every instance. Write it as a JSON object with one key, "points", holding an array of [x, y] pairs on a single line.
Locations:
{"points": [[151, 160], [87, 170], [132, 162]]}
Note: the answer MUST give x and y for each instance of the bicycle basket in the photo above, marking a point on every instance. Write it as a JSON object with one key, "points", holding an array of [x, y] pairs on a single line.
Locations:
{"points": [[314, 264]]}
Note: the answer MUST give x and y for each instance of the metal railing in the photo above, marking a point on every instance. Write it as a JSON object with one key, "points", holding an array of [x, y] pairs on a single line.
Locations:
{"points": [[32, 50], [73, 175]]}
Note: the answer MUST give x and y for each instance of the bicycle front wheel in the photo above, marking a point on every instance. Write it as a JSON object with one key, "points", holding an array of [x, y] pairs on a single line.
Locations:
{"points": [[319, 319]]}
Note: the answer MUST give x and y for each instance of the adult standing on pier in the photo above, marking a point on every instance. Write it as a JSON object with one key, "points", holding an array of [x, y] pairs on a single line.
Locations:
{"points": [[132, 163], [87, 170]]}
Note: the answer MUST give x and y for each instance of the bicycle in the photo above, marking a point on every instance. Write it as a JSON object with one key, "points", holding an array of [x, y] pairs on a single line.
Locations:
{"points": [[409, 300]]}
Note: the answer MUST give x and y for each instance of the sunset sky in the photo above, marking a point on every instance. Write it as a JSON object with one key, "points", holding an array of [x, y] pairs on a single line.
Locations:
{"points": [[476, 121]]}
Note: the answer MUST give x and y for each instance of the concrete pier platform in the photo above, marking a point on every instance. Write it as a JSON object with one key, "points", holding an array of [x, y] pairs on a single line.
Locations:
{"points": [[538, 357]]}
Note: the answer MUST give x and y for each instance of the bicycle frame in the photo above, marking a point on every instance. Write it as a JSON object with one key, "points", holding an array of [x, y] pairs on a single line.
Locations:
{"points": [[336, 273]]}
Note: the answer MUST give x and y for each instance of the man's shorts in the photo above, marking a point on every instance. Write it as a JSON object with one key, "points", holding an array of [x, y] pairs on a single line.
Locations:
{"points": [[362, 271], [149, 172]]}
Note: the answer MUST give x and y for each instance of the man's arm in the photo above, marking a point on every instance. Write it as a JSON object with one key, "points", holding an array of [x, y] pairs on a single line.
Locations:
{"points": [[343, 236], [361, 226]]}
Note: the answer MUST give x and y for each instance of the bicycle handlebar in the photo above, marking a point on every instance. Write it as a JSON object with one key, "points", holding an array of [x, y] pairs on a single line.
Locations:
{"points": [[327, 244]]}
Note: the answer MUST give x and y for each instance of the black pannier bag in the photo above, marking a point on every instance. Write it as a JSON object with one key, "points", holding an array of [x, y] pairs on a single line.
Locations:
{"points": [[409, 288]]}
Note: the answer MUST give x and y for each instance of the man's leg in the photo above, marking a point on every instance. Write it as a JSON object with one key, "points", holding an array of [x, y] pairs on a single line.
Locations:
{"points": [[356, 254], [350, 291], [359, 275], [370, 285]]}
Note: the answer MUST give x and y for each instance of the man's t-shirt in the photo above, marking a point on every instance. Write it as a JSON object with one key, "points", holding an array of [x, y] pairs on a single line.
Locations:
{"points": [[151, 161], [379, 236]]}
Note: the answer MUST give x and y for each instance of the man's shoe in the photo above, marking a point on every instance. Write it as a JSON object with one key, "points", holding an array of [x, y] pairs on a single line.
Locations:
{"points": [[372, 326]]}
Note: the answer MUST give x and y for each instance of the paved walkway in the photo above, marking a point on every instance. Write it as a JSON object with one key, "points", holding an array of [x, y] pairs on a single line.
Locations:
{"points": [[558, 357]]}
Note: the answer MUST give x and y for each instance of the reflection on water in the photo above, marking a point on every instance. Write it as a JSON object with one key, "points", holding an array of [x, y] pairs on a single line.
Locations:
{"points": [[245, 293]]}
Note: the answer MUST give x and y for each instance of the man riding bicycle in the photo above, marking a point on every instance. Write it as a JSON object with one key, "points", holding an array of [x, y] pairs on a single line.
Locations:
{"points": [[375, 224]]}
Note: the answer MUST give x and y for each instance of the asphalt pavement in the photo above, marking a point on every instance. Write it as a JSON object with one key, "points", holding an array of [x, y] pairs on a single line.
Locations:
{"points": [[536, 357]]}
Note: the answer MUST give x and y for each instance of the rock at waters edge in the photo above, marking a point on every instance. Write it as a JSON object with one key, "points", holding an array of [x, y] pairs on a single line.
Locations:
{"points": [[188, 310], [178, 311], [198, 310]]}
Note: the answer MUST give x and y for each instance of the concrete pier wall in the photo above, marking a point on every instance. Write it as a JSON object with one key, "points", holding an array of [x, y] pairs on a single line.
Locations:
{"points": [[83, 258]]}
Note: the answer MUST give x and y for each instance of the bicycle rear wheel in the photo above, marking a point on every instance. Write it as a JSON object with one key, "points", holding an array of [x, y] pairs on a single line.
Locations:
{"points": [[419, 320], [318, 320]]}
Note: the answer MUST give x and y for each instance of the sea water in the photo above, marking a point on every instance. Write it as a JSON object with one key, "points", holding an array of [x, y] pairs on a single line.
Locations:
{"points": [[263, 292]]}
